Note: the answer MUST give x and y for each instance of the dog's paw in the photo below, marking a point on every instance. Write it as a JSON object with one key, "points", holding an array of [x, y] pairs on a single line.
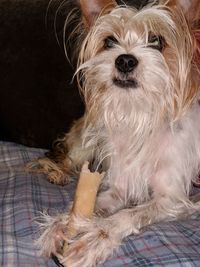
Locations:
{"points": [[53, 235], [55, 172], [97, 241]]}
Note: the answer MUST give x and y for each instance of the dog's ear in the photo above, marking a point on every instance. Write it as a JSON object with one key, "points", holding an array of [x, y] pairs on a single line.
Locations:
{"points": [[92, 8], [191, 8]]}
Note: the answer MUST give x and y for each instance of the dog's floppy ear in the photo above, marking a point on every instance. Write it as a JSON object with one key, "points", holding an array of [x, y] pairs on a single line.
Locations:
{"points": [[92, 8]]}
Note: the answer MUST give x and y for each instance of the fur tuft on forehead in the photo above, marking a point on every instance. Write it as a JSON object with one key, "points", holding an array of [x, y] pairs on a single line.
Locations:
{"points": [[125, 22]]}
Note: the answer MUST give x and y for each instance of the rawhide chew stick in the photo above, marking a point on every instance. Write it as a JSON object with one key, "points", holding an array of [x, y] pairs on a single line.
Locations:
{"points": [[85, 198]]}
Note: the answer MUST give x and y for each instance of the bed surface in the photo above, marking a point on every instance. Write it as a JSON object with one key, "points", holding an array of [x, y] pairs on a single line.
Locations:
{"points": [[23, 196]]}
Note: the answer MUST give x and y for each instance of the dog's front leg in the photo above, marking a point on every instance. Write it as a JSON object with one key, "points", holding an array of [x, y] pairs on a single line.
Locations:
{"points": [[102, 236]]}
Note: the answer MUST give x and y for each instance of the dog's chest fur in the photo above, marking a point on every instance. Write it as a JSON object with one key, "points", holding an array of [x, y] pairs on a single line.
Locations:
{"points": [[137, 151]]}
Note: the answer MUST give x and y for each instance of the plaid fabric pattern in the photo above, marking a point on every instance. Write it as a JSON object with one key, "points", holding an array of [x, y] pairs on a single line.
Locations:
{"points": [[23, 196]]}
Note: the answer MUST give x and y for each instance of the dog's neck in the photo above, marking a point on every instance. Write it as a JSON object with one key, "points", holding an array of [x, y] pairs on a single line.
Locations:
{"points": [[127, 132]]}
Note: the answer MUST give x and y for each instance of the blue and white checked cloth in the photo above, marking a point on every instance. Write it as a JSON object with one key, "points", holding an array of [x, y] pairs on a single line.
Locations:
{"points": [[23, 196]]}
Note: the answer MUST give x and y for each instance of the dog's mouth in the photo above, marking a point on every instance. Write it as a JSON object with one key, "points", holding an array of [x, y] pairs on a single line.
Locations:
{"points": [[125, 83]]}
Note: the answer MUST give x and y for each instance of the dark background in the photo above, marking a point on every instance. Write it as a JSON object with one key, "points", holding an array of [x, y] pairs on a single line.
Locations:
{"points": [[38, 100]]}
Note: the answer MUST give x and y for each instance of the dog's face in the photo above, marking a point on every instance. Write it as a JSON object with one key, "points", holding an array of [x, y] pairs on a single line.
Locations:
{"points": [[138, 60]]}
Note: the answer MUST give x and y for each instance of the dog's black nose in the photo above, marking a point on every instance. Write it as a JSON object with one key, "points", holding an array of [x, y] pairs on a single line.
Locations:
{"points": [[126, 63]]}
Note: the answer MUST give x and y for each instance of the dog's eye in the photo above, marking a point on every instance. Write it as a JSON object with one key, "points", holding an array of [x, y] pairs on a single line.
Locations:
{"points": [[109, 42], [156, 42]]}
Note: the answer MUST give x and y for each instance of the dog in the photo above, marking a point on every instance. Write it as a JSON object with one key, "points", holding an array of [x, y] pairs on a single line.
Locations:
{"points": [[140, 83]]}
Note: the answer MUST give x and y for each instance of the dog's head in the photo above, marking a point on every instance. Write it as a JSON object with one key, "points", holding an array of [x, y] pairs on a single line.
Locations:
{"points": [[138, 60]]}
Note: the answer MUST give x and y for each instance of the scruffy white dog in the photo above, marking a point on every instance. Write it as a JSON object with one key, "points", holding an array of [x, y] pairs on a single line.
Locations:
{"points": [[140, 83]]}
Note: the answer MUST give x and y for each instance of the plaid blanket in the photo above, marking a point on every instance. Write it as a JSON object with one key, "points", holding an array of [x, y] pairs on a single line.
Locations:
{"points": [[23, 196]]}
